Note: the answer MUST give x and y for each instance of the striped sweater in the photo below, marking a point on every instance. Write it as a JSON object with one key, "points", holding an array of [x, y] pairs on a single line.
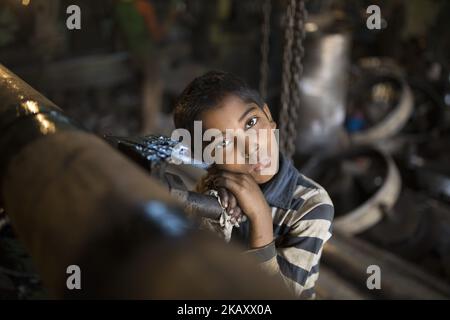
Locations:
{"points": [[302, 214]]}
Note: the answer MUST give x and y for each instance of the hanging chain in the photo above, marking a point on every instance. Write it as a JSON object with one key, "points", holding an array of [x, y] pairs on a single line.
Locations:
{"points": [[297, 70], [265, 33], [292, 71]]}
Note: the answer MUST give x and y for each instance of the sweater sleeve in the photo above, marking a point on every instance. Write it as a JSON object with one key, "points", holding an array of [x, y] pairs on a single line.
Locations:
{"points": [[297, 257]]}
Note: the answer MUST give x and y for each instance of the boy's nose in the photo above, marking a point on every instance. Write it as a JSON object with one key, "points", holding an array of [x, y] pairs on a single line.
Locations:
{"points": [[252, 153], [247, 149]]}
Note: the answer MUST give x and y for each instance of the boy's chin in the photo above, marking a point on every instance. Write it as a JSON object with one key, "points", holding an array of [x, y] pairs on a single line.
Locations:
{"points": [[262, 178]]}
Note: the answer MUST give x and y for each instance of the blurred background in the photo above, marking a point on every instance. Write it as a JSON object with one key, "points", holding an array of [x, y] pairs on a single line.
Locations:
{"points": [[363, 111]]}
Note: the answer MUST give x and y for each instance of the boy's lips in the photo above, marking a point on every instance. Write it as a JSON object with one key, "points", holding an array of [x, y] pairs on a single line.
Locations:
{"points": [[263, 164]]}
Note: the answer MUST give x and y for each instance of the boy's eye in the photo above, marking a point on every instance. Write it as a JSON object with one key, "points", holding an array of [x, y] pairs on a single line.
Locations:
{"points": [[251, 123]]}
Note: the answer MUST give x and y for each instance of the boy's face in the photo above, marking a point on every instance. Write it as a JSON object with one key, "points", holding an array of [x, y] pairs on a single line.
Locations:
{"points": [[260, 153]]}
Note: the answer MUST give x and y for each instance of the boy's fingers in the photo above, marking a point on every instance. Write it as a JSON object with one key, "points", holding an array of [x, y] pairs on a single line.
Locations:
{"points": [[224, 198], [240, 178], [230, 175], [237, 212], [230, 179], [232, 202], [236, 215], [229, 184]]}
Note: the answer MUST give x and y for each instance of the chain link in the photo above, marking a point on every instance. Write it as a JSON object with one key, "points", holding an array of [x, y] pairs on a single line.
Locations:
{"points": [[292, 71], [265, 33]]}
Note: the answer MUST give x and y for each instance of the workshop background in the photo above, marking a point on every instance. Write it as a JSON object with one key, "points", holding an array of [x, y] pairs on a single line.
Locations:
{"points": [[365, 112]]}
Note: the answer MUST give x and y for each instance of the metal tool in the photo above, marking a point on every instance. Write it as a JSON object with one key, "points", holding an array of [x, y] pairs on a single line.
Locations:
{"points": [[155, 153]]}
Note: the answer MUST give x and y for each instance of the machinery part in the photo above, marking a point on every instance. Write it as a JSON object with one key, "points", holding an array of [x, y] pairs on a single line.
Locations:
{"points": [[4, 221], [330, 286], [323, 92], [428, 167], [429, 110], [152, 150], [155, 154], [24, 116], [417, 229], [435, 178], [408, 228], [399, 279], [372, 178], [440, 213], [77, 209], [292, 72], [380, 103], [194, 204], [18, 278]]}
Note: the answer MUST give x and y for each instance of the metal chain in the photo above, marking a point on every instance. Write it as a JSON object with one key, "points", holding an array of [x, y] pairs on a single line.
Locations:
{"points": [[297, 70], [292, 71], [265, 33]]}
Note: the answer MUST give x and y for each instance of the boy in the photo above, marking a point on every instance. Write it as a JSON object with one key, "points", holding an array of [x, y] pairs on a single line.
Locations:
{"points": [[288, 215]]}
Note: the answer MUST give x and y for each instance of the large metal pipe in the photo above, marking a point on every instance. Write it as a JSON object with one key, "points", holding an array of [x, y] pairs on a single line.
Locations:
{"points": [[73, 200], [323, 90]]}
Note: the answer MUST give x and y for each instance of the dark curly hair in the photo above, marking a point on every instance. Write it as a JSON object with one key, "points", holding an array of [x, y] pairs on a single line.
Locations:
{"points": [[206, 92]]}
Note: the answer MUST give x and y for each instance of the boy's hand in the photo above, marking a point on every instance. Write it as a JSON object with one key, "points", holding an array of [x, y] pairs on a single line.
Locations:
{"points": [[230, 203], [246, 191], [252, 202]]}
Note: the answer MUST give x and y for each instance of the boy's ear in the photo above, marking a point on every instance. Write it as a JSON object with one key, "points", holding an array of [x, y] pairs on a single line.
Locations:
{"points": [[266, 110]]}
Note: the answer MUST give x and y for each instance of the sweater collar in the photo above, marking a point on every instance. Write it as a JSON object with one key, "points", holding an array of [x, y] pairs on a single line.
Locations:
{"points": [[279, 190]]}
